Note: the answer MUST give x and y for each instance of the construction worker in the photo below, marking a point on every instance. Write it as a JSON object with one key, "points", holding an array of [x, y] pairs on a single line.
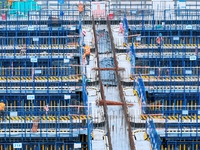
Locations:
{"points": [[80, 8], [121, 30], [2, 110], [196, 50], [159, 40], [36, 147], [86, 54], [35, 124], [46, 108], [10, 2]]}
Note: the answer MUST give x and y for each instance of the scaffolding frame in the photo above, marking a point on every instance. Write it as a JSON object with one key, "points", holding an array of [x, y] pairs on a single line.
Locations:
{"points": [[41, 55]]}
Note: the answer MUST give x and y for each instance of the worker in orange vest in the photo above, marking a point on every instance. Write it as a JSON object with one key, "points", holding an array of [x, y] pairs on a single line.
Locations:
{"points": [[86, 54], [35, 124], [80, 8], [10, 2], [2, 109]]}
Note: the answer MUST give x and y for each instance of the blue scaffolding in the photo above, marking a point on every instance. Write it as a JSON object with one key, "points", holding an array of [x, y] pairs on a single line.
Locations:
{"points": [[40, 61], [167, 67], [182, 133], [142, 94], [167, 72], [153, 135]]}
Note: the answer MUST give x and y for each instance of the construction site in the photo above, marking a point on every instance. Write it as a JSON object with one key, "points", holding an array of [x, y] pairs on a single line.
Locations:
{"points": [[99, 75]]}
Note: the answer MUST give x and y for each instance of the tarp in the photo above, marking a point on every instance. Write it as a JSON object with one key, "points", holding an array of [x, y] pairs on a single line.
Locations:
{"points": [[60, 2]]}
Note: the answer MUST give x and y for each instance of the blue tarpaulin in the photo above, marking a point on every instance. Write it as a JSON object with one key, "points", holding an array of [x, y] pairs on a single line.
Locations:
{"points": [[132, 56], [60, 2], [125, 23]]}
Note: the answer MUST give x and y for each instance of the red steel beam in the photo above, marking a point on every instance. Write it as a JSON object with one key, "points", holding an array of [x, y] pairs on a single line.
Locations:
{"points": [[114, 103], [121, 94], [107, 68], [102, 89]]}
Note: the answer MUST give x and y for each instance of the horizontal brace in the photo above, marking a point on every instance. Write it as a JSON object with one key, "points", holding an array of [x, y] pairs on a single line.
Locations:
{"points": [[110, 102], [108, 68]]}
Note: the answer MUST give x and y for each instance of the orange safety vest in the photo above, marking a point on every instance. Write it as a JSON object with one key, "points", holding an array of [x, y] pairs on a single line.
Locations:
{"points": [[2, 106], [80, 7], [87, 50], [10, 1], [35, 125]]}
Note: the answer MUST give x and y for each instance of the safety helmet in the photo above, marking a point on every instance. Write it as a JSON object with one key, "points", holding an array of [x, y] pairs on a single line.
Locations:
{"points": [[1, 100], [83, 44]]}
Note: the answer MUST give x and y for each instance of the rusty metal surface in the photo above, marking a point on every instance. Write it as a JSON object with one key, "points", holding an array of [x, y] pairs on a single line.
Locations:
{"points": [[101, 87], [108, 68], [125, 108], [111, 102]]}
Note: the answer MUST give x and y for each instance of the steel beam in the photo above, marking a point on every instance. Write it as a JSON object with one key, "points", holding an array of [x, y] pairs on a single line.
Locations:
{"points": [[108, 68]]}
